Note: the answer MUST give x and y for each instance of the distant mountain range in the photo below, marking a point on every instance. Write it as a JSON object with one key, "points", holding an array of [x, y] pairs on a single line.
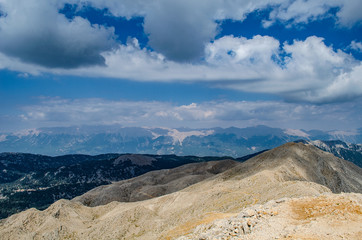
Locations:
{"points": [[234, 142]]}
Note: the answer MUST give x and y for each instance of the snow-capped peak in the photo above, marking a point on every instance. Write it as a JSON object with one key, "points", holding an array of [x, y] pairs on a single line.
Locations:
{"points": [[27, 132], [179, 137], [3, 138], [296, 132]]}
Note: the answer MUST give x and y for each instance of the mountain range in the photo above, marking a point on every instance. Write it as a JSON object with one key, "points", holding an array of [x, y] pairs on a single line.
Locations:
{"points": [[233, 142], [295, 191], [33, 180]]}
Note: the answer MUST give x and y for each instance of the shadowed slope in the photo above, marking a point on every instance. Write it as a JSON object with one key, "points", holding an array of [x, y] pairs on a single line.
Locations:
{"points": [[154, 184]]}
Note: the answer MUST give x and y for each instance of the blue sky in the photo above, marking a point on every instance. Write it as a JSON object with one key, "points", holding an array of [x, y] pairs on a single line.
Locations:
{"points": [[172, 63]]}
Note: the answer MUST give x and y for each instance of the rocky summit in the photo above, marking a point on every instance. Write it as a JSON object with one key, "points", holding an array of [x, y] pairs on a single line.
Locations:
{"points": [[295, 191], [328, 216]]}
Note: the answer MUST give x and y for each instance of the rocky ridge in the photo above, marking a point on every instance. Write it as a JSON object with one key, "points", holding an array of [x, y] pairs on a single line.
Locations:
{"points": [[155, 183]]}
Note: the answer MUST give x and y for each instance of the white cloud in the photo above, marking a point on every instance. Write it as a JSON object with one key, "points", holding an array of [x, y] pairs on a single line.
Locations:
{"points": [[65, 112], [179, 29], [297, 11], [304, 11], [310, 72], [242, 51], [306, 71], [35, 32], [357, 46], [315, 68], [350, 12], [124, 8], [301, 11], [346, 86]]}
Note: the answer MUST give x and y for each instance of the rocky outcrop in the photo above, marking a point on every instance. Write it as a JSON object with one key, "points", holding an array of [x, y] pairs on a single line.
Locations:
{"points": [[328, 216]]}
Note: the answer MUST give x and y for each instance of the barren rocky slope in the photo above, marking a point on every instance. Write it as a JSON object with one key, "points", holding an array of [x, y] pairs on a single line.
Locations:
{"points": [[154, 184], [300, 162], [292, 170]]}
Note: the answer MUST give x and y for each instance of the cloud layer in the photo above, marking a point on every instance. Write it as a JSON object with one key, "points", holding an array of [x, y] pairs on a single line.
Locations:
{"points": [[66, 112], [36, 32], [36, 38], [304, 71]]}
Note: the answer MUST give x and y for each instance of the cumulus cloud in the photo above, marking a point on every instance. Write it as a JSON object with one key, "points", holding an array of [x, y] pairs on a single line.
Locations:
{"points": [[302, 71], [65, 112], [357, 46], [310, 72], [350, 12], [180, 29], [304, 11], [301, 11], [316, 67], [35, 32], [179, 32], [305, 71], [253, 54]]}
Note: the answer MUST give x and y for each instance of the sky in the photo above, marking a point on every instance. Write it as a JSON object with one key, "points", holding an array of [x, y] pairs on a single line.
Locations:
{"points": [[181, 63]]}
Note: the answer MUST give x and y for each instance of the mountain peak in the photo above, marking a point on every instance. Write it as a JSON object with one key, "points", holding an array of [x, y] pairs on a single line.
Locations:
{"points": [[303, 162]]}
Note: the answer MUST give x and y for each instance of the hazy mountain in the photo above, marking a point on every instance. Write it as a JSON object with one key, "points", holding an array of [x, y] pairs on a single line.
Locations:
{"points": [[292, 170], [235, 142]]}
